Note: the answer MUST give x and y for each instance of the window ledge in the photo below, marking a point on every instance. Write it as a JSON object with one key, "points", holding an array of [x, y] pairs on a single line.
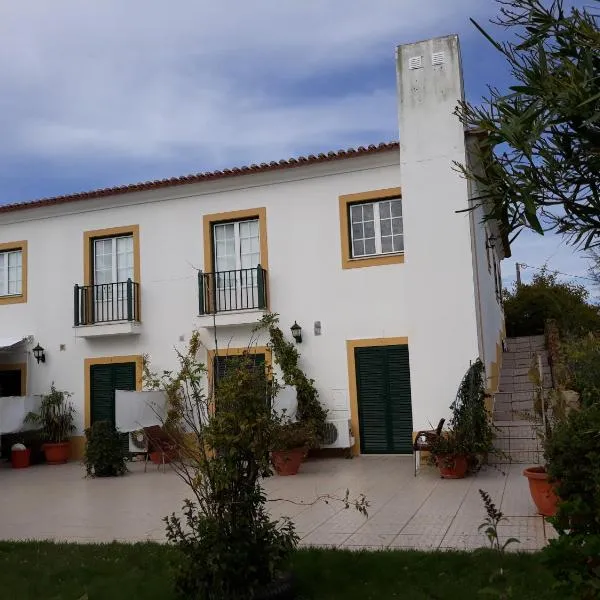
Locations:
{"points": [[242, 317], [13, 299], [373, 261], [108, 329]]}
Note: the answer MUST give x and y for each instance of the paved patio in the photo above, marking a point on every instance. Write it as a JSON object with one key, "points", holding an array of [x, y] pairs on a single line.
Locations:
{"points": [[426, 512]]}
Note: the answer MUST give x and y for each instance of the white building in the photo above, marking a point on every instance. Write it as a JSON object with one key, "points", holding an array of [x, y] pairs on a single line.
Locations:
{"points": [[395, 291]]}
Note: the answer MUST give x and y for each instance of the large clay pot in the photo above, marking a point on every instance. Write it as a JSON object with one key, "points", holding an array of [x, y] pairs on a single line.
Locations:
{"points": [[452, 467], [287, 462], [542, 491], [57, 454]]}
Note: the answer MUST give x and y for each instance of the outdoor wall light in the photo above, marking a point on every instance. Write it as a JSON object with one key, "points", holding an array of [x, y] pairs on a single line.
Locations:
{"points": [[296, 332], [38, 352]]}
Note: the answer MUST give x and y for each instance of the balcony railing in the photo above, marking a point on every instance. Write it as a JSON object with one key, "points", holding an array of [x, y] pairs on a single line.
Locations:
{"points": [[227, 291], [106, 303]]}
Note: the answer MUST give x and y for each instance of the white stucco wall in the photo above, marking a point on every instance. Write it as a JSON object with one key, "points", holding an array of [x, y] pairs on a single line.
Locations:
{"points": [[440, 289], [306, 280]]}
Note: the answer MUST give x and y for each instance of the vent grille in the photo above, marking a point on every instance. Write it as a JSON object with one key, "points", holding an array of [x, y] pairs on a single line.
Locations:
{"points": [[438, 58], [415, 62], [331, 433]]}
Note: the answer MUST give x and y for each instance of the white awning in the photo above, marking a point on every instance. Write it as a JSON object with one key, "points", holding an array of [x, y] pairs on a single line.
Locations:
{"points": [[12, 343]]}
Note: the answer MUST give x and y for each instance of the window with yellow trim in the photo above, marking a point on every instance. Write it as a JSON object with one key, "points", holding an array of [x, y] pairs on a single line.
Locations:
{"points": [[372, 228], [13, 272], [376, 228]]}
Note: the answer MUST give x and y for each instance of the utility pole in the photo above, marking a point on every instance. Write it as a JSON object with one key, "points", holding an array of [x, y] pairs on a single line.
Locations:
{"points": [[518, 266]]}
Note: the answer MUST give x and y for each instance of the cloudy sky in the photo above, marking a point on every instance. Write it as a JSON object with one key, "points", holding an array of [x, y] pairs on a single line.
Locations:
{"points": [[105, 92]]}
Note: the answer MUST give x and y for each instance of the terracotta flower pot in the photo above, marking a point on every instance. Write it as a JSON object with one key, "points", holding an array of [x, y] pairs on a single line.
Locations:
{"points": [[542, 491], [452, 467], [287, 462], [57, 454], [20, 458], [157, 457]]}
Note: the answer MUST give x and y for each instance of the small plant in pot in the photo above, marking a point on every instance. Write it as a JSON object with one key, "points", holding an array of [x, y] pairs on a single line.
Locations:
{"points": [[104, 454], [449, 454], [289, 442], [56, 421]]}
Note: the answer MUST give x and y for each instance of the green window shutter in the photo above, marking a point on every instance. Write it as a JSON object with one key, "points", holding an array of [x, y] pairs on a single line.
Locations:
{"points": [[384, 400], [221, 363], [102, 395], [400, 398], [104, 380], [372, 405]]}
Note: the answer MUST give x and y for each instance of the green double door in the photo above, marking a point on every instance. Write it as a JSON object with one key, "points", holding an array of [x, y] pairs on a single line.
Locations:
{"points": [[384, 400], [104, 381]]}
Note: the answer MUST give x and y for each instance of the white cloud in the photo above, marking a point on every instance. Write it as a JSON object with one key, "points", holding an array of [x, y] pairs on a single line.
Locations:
{"points": [[149, 79]]}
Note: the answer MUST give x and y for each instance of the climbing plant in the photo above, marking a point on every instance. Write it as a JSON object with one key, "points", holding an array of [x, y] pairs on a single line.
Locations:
{"points": [[310, 411]]}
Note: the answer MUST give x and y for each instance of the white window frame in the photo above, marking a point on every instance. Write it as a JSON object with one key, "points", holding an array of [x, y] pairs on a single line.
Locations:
{"points": [[114, 265], [377, 226], [4, 273], [237, 242]]}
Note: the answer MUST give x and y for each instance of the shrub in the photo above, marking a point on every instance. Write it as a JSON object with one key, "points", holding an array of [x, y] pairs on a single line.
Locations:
{"points": [[104, 453], [581, 358], [229, 546], [573, 454], [528, 306]]}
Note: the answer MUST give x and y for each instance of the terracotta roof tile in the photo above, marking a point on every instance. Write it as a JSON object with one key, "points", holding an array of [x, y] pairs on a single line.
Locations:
{"points": [[208, 176]]}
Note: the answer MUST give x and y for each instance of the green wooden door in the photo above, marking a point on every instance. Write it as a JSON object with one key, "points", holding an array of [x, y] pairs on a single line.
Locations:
{"points": [[384, 402], [104, 380]]}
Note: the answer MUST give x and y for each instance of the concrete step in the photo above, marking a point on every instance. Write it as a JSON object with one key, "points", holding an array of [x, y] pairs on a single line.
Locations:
{"points": [[525, 343]]}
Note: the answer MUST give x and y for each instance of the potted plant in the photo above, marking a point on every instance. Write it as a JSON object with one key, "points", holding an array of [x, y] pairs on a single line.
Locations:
{"points": [[20, 456], [468, 441], [56, 420], [104, 454], [450, 455], [289, 442]]}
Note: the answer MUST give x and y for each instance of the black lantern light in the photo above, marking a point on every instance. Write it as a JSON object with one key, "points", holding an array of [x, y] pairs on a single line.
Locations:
{"points": [[38, 352], [297, 332]]}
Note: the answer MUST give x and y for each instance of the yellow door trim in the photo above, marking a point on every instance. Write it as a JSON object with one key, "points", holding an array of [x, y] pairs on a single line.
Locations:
{"points": [[351, 345], [108, 360], [22, 367]]}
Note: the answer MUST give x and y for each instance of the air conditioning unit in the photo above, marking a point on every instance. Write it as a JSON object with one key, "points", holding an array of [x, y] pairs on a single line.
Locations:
{"points": [[338, 434], [137, 442]]}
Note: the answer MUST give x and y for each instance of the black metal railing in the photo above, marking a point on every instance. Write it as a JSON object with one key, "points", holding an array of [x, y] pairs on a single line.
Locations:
{"points": [[106, 303], [227, 291]]}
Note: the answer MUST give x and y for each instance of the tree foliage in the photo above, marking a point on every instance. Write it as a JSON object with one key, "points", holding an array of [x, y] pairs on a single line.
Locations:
{"points": [[527, 307], [540, 148]]}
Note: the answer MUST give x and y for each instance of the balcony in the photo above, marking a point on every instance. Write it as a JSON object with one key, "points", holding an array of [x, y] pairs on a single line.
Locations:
{"points": [[232, 297], [107, 309]]}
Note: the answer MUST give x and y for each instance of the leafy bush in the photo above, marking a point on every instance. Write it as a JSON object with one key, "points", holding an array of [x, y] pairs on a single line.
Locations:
{"points": [[573, 454], [104, 454], [229, 546], [56, 416], [581, 358], [528, 306]]}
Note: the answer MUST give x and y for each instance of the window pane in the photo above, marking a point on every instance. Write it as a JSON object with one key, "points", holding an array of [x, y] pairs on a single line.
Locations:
{"points": [[356, 213], [367, 212], [386, 227], [397, 226], [357, 231], [384, 210], [398, 243], [369, 229], [358, 248], [386, 244], [370, 246], [224, 231], [396, 208]]}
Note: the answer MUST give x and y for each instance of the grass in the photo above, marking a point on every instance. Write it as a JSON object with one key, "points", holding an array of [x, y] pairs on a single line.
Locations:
{"points": [[47, 571]]}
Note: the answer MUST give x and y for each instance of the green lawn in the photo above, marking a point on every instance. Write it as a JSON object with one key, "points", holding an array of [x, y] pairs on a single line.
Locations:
{"points": [[46, 571]]}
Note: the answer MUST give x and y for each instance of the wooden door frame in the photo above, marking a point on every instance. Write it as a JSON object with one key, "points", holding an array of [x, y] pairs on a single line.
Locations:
{"points": [[351, 345]]}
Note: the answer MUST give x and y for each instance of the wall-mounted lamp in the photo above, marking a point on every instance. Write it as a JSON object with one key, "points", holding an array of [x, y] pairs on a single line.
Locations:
{"points": [[38, 352], [296, 332]]}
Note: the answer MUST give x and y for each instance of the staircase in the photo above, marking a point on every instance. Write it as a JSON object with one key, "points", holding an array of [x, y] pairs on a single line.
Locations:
{"points": [[516, 436]]}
